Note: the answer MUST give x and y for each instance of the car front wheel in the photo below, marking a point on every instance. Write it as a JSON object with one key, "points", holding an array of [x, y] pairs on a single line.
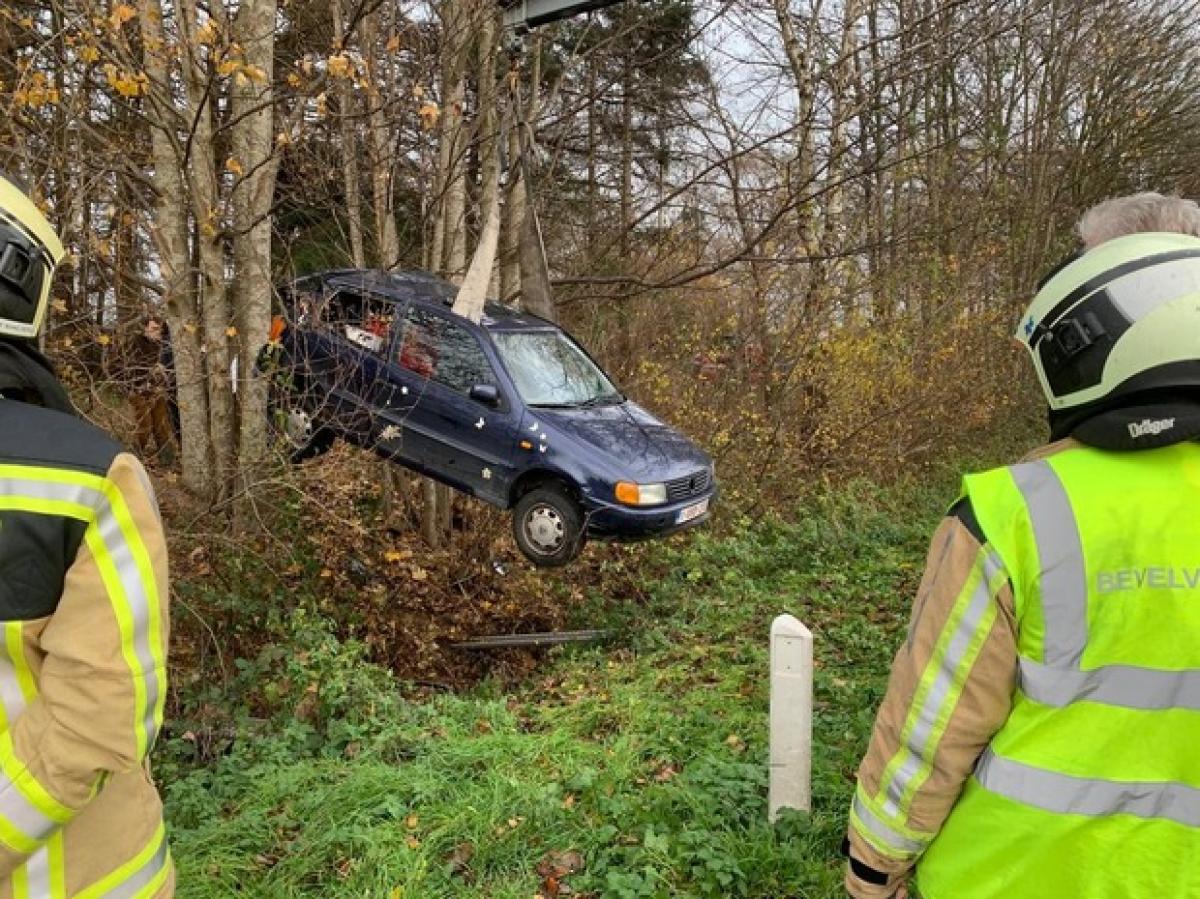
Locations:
{"points": [[548, 526], [298, 433]]}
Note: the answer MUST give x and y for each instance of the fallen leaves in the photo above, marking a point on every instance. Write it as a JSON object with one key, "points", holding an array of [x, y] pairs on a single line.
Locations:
{"points": [[554, 867]]}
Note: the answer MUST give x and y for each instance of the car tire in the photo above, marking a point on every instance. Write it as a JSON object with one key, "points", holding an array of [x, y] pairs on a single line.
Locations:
{"points": [[548, 526], [298, 434]]}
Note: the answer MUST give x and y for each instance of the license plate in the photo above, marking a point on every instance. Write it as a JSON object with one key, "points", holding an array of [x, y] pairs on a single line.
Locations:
{"points": [[688, 513]]}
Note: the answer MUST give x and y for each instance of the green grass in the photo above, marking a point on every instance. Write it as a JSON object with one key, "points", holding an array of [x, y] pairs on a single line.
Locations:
{"points": [[647, 756]]}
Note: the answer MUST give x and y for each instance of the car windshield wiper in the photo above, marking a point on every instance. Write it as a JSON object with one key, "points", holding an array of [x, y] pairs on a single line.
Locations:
{"points": [[604, 399], [552, 405]]}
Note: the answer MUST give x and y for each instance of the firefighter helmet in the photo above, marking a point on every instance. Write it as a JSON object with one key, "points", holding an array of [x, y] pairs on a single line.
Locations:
{"points": [[29, 253]]}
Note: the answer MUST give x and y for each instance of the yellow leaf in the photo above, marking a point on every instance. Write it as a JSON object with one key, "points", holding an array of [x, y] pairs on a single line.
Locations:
{"points": [[340, 65], [429, 113], [228, 67], [393, 43], [412, 842], [207, 35], [394, 555], [231, 331], [419, 573], [232, 165], [25, 22], [89, 54], [104, 340], [59, 306], [122, 13], [254, 73], [411, 822]]}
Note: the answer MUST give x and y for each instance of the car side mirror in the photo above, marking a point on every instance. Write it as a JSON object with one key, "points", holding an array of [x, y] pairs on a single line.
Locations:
{"points": [[486, 394]]}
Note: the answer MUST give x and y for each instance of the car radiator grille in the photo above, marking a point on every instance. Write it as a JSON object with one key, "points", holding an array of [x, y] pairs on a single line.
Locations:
{"points": [[693, 485]]}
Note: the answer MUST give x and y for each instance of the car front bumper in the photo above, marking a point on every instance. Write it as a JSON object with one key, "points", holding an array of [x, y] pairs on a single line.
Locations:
{"points": [[632, 523]]}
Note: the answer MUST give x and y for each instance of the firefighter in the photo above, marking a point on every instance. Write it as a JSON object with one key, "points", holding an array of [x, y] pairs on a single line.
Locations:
{"points": [[83, 604], [1037, 735]]}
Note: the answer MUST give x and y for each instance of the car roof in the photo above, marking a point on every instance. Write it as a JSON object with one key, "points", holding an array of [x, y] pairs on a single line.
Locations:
{"points": [[404, 286]]}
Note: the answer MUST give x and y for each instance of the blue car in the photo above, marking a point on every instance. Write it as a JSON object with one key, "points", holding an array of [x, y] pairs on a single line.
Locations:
{"points": [[511, 410]]}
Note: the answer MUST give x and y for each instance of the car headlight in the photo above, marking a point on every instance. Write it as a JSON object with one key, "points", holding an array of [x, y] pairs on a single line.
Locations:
{"points": [[641, 494]]}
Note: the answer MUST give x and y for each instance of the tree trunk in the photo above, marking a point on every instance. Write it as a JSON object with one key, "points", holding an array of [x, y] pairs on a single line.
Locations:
{"points": [[346, 132], [171, 235], [252, 142], [387, 241]]}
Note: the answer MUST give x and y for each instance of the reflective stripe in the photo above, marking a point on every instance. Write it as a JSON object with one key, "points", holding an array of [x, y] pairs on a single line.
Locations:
{"points": [[1126, 686], [17, 809], [941, 684], [1054, 792], [14, 644], [12, 689], [1138, 293], [1060, 555], [30, 814], [882, 836], [34, 879], [140, 877], [57, 855], [37, 876], [140, 617], [125, 568]]}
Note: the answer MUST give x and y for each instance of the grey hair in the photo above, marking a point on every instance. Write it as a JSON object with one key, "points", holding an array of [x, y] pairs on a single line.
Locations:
{"points": [[1136, 214]]}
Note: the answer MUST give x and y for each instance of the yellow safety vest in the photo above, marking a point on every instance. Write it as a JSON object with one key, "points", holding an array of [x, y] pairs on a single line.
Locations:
{"points": [[1091, 789]]}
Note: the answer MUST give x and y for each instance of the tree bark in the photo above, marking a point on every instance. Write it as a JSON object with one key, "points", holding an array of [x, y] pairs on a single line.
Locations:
{"points": [[252, 141]]}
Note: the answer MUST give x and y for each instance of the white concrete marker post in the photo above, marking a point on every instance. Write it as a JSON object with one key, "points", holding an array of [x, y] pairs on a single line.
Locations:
{"points": [[791, 716]]}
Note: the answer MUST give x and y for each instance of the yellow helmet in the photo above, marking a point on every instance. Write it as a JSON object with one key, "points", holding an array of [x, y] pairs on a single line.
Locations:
{"points": [[29, 253], [1117, 321]]}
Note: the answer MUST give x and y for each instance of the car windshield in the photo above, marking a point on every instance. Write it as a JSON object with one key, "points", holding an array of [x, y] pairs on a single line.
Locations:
{"points": [[550, 370]]}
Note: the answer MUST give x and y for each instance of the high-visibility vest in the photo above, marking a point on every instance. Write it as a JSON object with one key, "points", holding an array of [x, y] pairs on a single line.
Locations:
{"points": [[1091, 789]]}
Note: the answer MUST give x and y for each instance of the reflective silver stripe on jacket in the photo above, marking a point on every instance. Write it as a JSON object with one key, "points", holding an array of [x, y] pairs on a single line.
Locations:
{"points": [[137, 882], [1060, 554], [37, 866], [1060, 680], [932, 708], [886, 834], [1126, 686], [1070, 795]]}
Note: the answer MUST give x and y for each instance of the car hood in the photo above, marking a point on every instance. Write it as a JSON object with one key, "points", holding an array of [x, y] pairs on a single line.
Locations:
{"points": [[634, 441]]}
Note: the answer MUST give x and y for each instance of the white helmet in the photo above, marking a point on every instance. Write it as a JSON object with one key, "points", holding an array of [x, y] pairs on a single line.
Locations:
{"points": [[29, 253]]}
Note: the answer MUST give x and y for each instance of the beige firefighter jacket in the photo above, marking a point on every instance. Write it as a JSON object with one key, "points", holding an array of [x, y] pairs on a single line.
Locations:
{"points": [[983, 707], [83, 603]]}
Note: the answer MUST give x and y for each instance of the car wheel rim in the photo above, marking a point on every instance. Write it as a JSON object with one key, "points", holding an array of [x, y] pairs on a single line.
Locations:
{"points": [[297, 427], [545, 529]]}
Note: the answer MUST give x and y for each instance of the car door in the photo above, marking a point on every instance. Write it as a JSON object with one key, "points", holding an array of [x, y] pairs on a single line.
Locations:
{"points": [[358, 328], [467, 443]]}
